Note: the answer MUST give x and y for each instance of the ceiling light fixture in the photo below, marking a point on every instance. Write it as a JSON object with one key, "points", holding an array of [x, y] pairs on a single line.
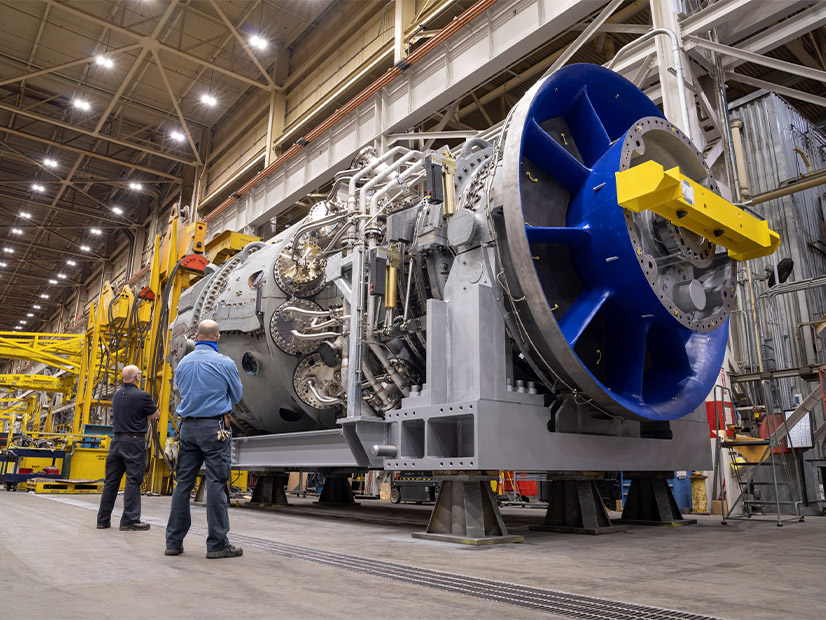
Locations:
{"points": [[81, 104], [71, 262], [117, 210], [3, 264], [16, 231], [52, 281], [8, 250], [43, 296], [85, 248], [62, 276], [30, 314], [50, 163], [136, 186], [36, 307], [258, 42], [38, 188], [177, 136], [25, 215], [103, 61], [96, 231], [209, 100], [22, 322]]}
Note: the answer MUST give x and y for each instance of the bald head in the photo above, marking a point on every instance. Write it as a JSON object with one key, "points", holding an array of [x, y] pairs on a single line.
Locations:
{"points": [[131, 374], [208, 331]]}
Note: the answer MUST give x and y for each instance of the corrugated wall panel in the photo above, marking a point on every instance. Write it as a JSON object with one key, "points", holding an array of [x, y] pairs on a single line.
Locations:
{"points": [[775, 137]]}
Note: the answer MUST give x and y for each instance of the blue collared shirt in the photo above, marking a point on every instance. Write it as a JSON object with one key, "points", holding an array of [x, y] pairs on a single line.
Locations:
{"points": [[208, 383]]}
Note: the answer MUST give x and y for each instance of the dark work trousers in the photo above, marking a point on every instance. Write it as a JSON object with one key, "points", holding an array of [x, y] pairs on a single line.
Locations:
{"points": [[127, 454], [198, 444]]}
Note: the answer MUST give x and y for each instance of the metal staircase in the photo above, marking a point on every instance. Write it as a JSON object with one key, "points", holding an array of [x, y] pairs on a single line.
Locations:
{"points": [[748, 456]]}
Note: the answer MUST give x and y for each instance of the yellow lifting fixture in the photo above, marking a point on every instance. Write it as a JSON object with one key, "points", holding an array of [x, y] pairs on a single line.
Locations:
{"points": [[687, 204], [226, 244], [40, 383], [61, 351]]}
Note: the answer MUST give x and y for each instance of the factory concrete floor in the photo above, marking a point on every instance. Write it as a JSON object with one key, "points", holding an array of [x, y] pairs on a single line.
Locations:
{"points": [[55, 564]]}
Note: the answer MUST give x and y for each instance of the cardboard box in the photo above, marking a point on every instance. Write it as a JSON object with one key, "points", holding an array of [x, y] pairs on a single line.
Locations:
{"points": [[715, 507]]}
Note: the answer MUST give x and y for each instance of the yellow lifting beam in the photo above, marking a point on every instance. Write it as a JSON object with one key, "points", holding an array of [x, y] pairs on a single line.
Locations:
{"points": [[62, 351], [687, 204], [39, 383]]}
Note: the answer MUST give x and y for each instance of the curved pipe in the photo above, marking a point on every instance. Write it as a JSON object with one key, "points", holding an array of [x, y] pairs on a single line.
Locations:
{"points": [[399, 179], [351, 193], [324, 399], [336, 238], [678, 66], [382, 175], [305, 228], [416, 178], [305, 312], [333, 321], [302, 336]]}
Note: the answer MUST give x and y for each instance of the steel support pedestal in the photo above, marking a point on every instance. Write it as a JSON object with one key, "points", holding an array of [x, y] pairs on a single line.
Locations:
{"points": [[270, 490], [336, 491], [466, 513], [651, 502], [575, 507]]}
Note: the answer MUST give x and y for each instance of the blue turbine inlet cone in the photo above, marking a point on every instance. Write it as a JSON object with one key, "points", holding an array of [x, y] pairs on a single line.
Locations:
{"points": [[645, 359]]}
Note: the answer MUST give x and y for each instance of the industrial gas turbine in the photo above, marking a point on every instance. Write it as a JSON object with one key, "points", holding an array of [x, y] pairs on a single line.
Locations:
{"points": [[552, 298]]}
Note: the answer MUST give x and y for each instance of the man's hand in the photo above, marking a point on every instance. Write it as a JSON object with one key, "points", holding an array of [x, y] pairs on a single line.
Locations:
{"points": [[226, 420], [155, 416]]}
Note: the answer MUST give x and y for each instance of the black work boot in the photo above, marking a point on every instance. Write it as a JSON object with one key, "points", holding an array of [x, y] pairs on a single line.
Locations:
{"points": [[140, 526], [229, 552]]}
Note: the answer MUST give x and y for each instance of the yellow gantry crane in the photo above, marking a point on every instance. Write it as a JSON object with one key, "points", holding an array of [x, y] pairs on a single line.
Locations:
{"points": [[122, 328]]}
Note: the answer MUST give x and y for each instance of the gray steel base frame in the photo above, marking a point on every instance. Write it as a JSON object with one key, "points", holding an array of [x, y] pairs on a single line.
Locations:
{"points": [[651, 502], [575, 507], [466, 513]]}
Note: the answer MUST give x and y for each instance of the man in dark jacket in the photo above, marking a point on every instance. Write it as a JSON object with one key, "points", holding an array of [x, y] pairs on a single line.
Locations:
{"points": [[132, 408]]}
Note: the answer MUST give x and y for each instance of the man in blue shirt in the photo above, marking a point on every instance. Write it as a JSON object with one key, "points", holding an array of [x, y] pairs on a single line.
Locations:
{"points": [[209, 386]]}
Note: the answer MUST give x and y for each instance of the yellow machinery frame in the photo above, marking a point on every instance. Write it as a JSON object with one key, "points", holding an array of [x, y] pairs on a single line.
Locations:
{"points": [[92, 357]]}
